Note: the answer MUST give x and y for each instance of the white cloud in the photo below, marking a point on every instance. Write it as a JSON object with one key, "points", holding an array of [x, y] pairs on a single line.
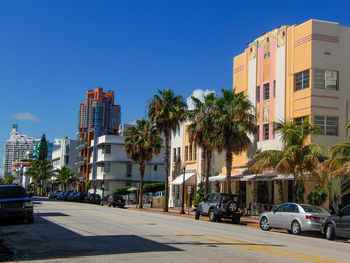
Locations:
{"points": [[25, 116], [199, 94]]}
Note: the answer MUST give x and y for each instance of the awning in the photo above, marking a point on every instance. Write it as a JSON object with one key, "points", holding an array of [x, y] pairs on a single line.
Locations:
{"points": [[266, 177], [189, 179], [217, 178], [248, 178], [284, 177]]}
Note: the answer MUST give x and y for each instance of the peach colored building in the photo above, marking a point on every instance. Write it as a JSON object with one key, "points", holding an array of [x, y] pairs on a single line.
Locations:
{"points": [[290, 73]]}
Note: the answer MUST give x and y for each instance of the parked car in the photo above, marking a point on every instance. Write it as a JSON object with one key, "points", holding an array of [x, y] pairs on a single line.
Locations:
{"points": [[15, 203], [116, 200], [92, 199], [70, 196], [54, 194], [79, 197], [294, 217], [218, 206], [337, 225], [104, 200]]}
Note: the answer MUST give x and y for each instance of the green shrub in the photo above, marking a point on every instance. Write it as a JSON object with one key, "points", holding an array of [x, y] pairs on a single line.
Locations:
{"points": [[153, 187], [317, 197], [300, 192], [121, 190]]}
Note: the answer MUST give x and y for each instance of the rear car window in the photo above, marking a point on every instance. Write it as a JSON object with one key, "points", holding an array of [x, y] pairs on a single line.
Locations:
{"points": [[313, 209], [12, 192]]}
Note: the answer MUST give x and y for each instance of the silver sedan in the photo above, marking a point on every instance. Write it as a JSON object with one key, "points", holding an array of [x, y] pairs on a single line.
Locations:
{"points": [[294, 217]]}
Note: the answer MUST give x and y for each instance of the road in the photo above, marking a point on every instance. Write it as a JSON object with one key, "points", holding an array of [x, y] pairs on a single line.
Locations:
{"points": [[74, 232]]}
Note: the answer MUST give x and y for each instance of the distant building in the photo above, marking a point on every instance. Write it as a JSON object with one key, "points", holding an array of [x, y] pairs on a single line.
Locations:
{"points": [[111, 168], [98, 116], [65, 154], [49, 150], [18, 148]]}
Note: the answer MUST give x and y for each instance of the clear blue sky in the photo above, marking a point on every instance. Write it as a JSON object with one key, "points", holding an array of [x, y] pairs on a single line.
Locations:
{"points": [[52, 52]]}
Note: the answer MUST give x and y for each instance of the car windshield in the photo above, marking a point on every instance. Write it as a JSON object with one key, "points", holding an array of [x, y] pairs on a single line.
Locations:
{"points": [[12, 192], [117, 197], [313, 209]]}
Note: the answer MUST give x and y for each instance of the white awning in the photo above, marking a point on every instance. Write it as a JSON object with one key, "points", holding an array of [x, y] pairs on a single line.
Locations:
{"points": [[248, 177], [217, 178], [284, 177], [189, 179]]}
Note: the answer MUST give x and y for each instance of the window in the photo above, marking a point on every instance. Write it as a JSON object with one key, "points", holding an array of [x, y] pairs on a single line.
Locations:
{"points": [[186, 153], [266, 131], [292, 208], [107, 167], [325, 79], [195, 153], [328, 125], [346, 211], [299, 121], [190, 153], [106, 149], [174, 155], [274, 88], [282, 208], [155, 168], [257, 94], [266, 91], [128, 169], [178, 154], [302, 80]]}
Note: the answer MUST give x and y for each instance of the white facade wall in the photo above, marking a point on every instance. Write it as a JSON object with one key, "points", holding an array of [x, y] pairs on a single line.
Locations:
{"points": [[64, 153]]}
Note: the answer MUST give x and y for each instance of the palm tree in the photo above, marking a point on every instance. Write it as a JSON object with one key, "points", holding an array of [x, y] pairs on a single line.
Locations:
{"points": [[40, 171], [166, 110], [298, 156], [203, 116], [233, 121], [141, 143], [65, 177]]}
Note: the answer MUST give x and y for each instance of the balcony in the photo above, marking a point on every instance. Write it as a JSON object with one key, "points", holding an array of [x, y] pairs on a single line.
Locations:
{"points": [[82, 145]]}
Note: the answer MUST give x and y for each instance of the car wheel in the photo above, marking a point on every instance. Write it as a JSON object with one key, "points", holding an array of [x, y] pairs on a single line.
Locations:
{"points": [[114, 205], [330, 232], [30, 220], [197, 214], [296, 228], [109, 204], [236, 220], [212, 216], [232, 206], [264, 224]]}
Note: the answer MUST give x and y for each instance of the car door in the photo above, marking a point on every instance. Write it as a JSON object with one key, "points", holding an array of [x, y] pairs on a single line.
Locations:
{"points": [[343, 224], [206, 204], [276, 218], [292, 212]]}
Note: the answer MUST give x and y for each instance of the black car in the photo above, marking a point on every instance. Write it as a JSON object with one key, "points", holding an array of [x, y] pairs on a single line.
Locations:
{"points": [[15, 203], [218, 206], [337, 225], [79, 197], [54, 194], [116, 200], [92, 199]]}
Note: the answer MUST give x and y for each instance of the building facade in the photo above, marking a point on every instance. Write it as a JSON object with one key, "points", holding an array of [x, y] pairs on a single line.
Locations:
{"points": [[291, 73], [98, 116], [18, 148], [65, 154], [188, 166], [110, 167]]}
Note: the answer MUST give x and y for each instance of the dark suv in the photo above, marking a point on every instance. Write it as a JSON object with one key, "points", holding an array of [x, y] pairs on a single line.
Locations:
{"points": [[218, 206], [15, 203], [337, 225]]}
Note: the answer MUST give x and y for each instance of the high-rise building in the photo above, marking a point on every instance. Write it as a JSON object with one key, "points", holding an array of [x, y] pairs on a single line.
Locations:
{"points": [[17, 148], [98, 116]]}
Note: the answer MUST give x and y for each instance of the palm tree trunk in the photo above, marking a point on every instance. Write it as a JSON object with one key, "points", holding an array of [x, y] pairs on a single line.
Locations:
{"points": [[207, 174], [142, 172], [166, 166], [228, 172], [295, 187]]}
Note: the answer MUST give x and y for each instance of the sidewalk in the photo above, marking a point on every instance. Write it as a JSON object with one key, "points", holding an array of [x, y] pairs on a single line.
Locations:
{"points": [[175, 211]]}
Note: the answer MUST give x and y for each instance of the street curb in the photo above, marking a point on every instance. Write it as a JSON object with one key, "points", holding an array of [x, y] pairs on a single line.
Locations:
{"points": [[243, 222]]}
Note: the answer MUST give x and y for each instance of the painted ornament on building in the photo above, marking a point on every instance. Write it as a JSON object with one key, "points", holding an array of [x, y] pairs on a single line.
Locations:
{"points": [[281, 36], [252, 49]]}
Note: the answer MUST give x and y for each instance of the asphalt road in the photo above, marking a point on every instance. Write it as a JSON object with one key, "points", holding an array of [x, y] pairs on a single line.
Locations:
{"points": [[65, 231]]}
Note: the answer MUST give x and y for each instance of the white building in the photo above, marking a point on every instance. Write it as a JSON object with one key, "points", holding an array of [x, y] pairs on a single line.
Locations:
{"points": [[183, 152], [65, 153], [110, 167], [17, 148]]}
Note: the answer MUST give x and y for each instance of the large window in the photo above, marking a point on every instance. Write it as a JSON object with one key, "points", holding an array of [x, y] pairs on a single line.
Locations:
{"points": [[328, 125], [266, 131], [326, 79], [128, 169], [266, 91], [106, 149], [299, 121], [257, 94], [302, 80]]}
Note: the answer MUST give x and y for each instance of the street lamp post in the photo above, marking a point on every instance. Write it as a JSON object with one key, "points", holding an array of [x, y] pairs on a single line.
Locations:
{"points": [[183, 189]]}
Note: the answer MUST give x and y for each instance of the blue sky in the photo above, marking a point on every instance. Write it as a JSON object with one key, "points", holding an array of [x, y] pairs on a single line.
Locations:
{"points": [[52, 52]]}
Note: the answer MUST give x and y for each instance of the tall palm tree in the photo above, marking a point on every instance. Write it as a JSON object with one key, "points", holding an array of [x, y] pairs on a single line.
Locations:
{"points": [[65, 177], [233, 121], [298, 156], [202, 117], [141, 143], [40, 171], [166, 110]]}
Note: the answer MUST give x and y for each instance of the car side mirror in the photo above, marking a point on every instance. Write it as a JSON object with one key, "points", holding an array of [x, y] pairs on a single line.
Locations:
{"points": [[273, 210]]}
